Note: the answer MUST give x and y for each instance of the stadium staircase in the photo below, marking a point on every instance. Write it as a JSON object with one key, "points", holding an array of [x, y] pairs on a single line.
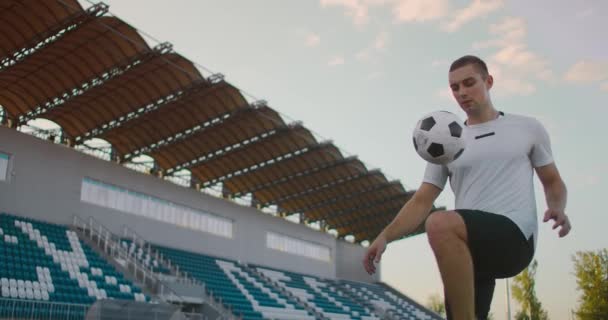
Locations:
{"points": [[161, 279], [48, 266]]}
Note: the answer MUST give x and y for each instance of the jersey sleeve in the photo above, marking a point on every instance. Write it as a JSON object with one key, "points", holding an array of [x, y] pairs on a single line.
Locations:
{"points": [[541, 153], [435, 174]]}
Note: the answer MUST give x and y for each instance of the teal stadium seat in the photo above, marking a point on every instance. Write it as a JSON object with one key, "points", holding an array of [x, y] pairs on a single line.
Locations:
{"points": [[320, 294], [381, 298], [245, 293], [47, 262], [143, 256]]}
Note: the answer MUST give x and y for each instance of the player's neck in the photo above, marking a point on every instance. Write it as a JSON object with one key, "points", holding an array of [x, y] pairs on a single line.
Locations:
{"points": [[487, 114]]}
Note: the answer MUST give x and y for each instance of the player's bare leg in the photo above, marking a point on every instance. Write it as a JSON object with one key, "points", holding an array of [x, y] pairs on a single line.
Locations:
{"points": [[448, 237]]}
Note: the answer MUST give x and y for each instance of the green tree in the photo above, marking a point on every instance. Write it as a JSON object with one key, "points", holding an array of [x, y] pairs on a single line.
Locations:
{"points": [[591, 270], [436, 304], [524, 293]]}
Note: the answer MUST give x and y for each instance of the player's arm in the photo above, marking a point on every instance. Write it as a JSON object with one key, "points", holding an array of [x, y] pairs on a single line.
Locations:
{"points": [[409, 218], [555, 188], [556, 196], [412, 214]]}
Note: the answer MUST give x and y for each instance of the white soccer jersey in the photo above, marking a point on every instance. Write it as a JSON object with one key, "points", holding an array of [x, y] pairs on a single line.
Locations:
{"points": [[495, 172]]}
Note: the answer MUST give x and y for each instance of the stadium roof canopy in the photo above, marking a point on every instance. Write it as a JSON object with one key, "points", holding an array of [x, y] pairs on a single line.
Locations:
{"points": [[96, 77]]}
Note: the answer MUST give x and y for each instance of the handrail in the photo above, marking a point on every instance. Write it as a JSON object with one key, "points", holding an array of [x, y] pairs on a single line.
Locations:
{"points": [[113, 248], [182, 276], [112, 245], [14, 308]]}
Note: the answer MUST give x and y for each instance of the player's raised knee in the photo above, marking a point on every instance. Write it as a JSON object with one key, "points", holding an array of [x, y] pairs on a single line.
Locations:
{"points": [[443, 224]]}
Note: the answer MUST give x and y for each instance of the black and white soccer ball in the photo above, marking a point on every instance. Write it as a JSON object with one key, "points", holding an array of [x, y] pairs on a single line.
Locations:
{"points": [[438, 137]]}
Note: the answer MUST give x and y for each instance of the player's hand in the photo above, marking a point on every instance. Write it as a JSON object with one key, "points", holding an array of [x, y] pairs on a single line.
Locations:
{"points": [[373, 254], [561, 220]]}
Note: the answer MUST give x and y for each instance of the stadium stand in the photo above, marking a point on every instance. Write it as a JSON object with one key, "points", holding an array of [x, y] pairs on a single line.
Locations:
{"points": [[95, 77], [316, 292], [381, 297], [47, 262], [144, 256], [243, 292]]}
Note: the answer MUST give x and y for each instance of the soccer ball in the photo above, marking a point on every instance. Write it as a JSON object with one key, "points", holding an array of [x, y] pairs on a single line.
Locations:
{"points": [[438, 137]]}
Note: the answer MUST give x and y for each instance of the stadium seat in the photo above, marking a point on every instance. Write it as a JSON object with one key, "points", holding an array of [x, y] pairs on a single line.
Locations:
{"points": [[143, 256], [245, 293], [385, 300], [318, 293], [47, 262]]}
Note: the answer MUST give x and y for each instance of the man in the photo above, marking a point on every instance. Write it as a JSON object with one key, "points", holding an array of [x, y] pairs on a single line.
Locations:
{"points": [[492, 233]]}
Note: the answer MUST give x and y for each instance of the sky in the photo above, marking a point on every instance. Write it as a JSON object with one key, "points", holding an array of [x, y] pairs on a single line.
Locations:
{"points": [[362, 72]]}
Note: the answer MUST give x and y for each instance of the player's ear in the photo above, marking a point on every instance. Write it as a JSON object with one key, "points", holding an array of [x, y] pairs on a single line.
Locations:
{"points": [[489, 81]]}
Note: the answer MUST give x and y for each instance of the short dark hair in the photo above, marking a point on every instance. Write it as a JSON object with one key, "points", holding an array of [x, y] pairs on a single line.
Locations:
{"points": [[481, 66]]}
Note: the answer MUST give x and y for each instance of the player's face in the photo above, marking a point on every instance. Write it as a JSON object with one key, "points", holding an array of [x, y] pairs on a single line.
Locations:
{"points": [[470, 89]]}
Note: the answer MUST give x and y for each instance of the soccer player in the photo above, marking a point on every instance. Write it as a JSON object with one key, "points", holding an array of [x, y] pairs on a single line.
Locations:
{"points": [[492, 232]]}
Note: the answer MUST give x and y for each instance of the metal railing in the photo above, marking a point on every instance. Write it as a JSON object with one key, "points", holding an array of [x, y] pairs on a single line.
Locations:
{"points": [[111, 245], [30, 309], [181, 276], [139, 241], [108, 243], [195, 316]]}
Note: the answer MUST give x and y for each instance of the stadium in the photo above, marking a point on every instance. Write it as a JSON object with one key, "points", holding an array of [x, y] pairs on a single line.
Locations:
{"points": [[134, 185]]}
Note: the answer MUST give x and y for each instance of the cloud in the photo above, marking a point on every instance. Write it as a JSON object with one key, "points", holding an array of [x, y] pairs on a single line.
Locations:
{"points": [[586, 72], [381, 41], [411, 11], [378, 46], [419, 10], [336, 61], [510, 31], [312, 40], [478, 8], [509, 83], [516, 69], [357, 10], [604, 86]]}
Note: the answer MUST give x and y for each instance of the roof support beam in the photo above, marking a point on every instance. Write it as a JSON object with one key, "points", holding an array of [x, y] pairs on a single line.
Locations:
{"points": [[370, 205], [265, 164], [322, 187], [358, 219], [180, 136], [235, 147], [194, 88], [346, 196], [373, 232], [296, 175], [51, 35], [95, 82]]}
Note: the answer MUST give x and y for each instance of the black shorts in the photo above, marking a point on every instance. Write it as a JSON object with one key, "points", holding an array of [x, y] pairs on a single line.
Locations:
{"points": [[499, 250]]}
